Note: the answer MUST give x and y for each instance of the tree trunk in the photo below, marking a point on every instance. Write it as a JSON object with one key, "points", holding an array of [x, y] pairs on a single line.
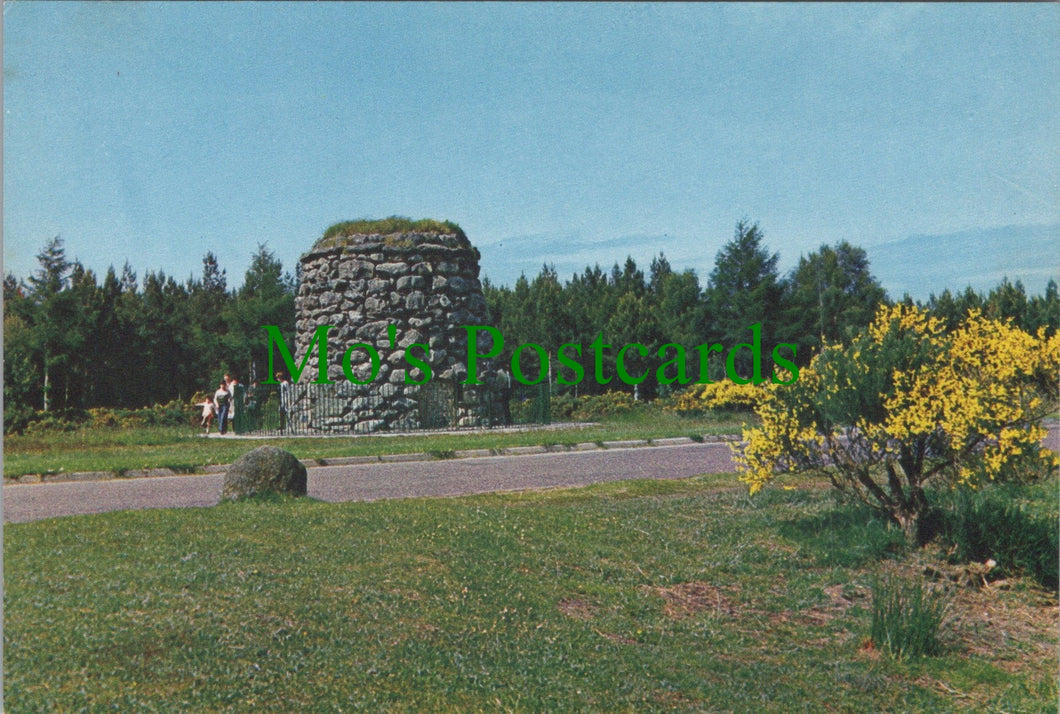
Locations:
{"points": [[909, 523], [919, 524]]}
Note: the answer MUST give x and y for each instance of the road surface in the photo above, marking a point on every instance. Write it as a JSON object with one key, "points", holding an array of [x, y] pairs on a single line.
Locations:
{"points": [[369, 482]]}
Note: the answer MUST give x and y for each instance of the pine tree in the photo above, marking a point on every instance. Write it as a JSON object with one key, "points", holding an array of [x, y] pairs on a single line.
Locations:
{"points": [[744, 289], [266, 298], [830, 296]]}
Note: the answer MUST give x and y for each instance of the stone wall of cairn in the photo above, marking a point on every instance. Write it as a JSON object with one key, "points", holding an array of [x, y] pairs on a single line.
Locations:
{"points": [[427, 286]]}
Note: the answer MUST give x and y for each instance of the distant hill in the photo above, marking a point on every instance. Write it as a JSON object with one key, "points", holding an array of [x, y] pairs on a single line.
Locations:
{"points": [[922, 265]]}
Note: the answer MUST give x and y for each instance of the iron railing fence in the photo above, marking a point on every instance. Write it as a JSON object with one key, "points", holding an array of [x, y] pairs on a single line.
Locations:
{"points": [[344, 408]]}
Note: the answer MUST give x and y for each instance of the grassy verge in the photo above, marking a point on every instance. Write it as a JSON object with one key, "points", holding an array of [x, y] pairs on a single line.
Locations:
{"points": [[636, 596], [116, 449]]}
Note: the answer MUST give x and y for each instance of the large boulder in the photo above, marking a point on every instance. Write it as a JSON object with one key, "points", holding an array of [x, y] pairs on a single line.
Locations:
{"points": [[264, 470]]}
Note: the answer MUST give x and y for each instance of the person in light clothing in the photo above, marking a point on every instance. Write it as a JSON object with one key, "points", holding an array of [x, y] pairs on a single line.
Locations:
{"points": [[285, 400], [208, 413]]}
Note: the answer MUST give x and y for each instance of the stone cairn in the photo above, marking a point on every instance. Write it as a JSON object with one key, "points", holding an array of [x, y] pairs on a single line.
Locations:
{"points": [[364, 277]]}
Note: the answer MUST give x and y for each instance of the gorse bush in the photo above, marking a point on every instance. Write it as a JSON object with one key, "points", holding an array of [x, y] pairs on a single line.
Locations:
{"points": [[907, 405], [592, 407], [726, 395], [174, 413], [990, 524], [906, 618], [45, 422]]}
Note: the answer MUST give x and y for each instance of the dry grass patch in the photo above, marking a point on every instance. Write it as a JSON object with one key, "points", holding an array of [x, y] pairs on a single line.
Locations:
{"points": [[1011, 625], [688, 599], [994, 623], [578, 609]]}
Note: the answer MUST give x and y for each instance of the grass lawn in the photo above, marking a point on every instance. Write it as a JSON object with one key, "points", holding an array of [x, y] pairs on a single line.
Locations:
{"points": [[635, 596], [185, 450]]}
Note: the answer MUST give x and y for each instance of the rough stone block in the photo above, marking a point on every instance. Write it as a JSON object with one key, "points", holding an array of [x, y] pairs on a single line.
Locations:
{"points": [[411, 282], [416, 301], [394, 269], [459, 286]]}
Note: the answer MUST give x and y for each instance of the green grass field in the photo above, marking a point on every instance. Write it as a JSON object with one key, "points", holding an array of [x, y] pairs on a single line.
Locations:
{"points": [[637, 596], [185, 450]]}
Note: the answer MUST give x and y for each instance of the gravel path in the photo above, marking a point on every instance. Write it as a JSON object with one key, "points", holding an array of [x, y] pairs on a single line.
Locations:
{"points": [[369, 482]]}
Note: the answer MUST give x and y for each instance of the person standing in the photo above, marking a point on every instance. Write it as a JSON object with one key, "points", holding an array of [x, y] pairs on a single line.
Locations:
{"points": [[208, 414], [222, 401], [285, 400], [252, 409], [236, 410]]}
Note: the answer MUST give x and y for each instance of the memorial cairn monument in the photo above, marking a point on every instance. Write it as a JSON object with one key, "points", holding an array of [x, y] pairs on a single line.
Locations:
{"points": [[408, 288]]}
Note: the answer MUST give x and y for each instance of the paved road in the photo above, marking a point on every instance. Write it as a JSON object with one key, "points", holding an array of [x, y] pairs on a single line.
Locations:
{"points": [[369, 482]]}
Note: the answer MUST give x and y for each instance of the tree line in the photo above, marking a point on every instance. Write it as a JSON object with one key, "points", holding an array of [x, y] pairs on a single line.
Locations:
{"points": [[72, 341], [830, 296]]}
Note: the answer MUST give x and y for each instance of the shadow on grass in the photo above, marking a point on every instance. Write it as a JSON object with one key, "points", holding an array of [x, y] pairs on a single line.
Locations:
{"points": [[270, 498], [1013, 524], [847, 536], [996, 523]]}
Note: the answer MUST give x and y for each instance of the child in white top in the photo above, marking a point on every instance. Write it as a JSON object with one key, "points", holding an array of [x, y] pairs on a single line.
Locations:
{"points": [[208, 413]]}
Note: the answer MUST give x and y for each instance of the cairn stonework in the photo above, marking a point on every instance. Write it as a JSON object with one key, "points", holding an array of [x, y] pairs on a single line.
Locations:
{"points": [[425, 284]]}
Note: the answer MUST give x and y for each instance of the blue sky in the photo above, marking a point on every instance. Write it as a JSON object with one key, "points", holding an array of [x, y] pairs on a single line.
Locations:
{"points": [[567, 133]]}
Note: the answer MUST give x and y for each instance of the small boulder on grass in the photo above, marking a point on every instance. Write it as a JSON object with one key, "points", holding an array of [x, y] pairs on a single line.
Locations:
{"points": [[265, 470]]}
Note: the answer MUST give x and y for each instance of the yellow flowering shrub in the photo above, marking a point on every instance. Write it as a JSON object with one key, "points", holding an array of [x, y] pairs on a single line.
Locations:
{"points": [[907, 404], [586, 408], [725, 394]]}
